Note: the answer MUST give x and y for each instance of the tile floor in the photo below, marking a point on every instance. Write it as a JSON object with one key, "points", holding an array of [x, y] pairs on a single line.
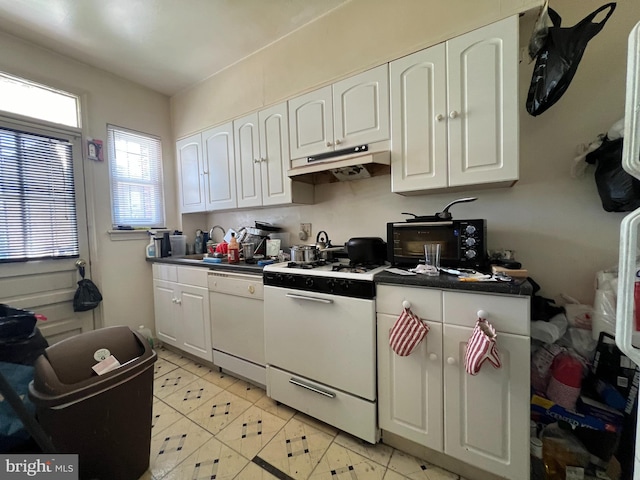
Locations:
{"points": [[209, 425]]}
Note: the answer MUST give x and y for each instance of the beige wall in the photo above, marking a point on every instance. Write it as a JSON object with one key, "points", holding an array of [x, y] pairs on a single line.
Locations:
{"points": [[119, 268], [555, 223]]}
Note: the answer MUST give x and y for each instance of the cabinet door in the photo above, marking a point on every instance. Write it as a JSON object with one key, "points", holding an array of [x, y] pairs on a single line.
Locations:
{"points": [[220, 172], [167, 320], [311, 123], [274, 155], [361, 108], [247, 141], [482, 71], [410, 388], [190, 174], [419, 121], [196, 324], [487, 415]]}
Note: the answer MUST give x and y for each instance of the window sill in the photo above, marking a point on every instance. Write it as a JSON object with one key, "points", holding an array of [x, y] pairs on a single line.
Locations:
{"points": [[119, 235]]}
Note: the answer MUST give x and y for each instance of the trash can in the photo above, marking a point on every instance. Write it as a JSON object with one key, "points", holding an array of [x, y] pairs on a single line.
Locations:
{"points": [[105, 419]]}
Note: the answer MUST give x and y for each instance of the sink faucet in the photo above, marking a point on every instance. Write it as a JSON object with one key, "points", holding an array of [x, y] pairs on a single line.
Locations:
{"points": [[213, 228]]}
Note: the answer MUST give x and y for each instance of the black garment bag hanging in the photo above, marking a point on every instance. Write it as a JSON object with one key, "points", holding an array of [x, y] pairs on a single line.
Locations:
{"points": [[558, 60]]}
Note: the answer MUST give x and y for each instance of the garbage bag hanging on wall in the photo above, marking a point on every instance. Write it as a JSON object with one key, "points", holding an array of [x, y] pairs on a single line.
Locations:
{"points": [[87, 296], [558, 60]]}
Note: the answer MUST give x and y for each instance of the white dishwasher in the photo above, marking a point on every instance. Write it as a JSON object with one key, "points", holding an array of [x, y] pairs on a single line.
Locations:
{"points": [[237, 323]]}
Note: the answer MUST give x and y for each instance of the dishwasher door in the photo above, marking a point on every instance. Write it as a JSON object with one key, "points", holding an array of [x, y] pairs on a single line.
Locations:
{"points": [[237, 316]]}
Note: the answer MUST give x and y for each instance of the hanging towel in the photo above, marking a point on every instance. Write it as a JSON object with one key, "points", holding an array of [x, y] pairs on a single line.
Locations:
{"points": [[481, 347], [407, 332]]}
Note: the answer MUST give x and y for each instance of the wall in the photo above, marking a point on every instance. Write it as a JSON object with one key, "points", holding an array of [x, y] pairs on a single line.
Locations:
{"points": [[119, 267], [555, 223]]}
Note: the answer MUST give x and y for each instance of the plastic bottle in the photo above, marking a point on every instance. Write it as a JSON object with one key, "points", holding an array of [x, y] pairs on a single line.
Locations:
{"points": [[537, 464], [146, 333], [233, 252], [151, 248], [198, 245], [636, 300]]}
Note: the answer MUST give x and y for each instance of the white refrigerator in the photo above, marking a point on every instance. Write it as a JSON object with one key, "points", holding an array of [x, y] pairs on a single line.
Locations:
{"points": [[627, 338]]}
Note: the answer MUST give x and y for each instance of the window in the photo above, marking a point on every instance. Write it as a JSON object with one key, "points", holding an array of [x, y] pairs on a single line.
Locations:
{"points": [[37, 197], [39, 101], [136, 178]]}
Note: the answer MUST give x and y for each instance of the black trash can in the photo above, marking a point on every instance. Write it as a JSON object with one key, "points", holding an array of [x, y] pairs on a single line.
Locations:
{"points": [[105, 419]]}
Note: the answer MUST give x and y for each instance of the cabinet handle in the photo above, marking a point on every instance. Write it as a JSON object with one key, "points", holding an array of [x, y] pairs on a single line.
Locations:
{"points": [[329, 144], [179, 301], [251, 289], [338, 141], [255, 160], [439, 117], [300, 383], [451, 361], [453, 114], [483, 314], [433, 357], [406, 304], [263, 159]]}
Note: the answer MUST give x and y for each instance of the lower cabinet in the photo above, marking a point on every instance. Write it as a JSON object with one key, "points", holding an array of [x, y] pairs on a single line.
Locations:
{"points": [[181, 302], [428, 397]]}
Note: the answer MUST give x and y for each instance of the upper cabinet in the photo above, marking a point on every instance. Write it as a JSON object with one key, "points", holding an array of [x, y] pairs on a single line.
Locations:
{"points": [[190, 174], [262, 161], [220, 170], [348, 113], [454, 112], [239, 164], [206, 170]]}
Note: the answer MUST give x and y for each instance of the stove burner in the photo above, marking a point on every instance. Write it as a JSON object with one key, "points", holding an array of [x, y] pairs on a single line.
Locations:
{"points": [[353, 268], [307, 266]]}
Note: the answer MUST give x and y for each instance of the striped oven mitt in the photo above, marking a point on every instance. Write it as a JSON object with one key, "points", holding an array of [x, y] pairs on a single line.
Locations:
{"points": [[407, 332], [481, 347]]}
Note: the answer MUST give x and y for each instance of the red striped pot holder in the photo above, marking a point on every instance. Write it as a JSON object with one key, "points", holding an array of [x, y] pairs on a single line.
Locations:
{"points": [[407, 332], [481, 347]]}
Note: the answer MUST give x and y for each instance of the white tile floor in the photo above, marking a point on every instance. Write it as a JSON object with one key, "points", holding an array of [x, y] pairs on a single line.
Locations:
{"points": [[209, 425]]}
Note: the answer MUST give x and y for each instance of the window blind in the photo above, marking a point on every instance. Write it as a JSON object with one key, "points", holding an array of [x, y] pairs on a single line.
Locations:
{"points": [[37, 197], [136, 178]]}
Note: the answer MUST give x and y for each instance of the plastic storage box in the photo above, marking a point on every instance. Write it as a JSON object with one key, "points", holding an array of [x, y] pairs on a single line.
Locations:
{"points": [[105, 419]]}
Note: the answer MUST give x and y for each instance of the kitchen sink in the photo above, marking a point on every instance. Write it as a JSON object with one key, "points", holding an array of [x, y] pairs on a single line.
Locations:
{"points": [[193, 256]]}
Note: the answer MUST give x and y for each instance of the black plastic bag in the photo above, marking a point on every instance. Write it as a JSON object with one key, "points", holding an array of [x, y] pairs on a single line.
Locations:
{"points": [[619, 191], [87, 296], [558, 60]]}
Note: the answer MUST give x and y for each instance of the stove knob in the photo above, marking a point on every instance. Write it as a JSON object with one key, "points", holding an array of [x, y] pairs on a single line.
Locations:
{"points": [[470, 229], [279, 277], [309, 282], [331, 283], [470, 253], [290, 279], [470, 241], [345, 284]]}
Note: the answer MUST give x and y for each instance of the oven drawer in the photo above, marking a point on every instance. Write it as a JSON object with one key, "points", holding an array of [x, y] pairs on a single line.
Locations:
{"points": [[346, 412]]}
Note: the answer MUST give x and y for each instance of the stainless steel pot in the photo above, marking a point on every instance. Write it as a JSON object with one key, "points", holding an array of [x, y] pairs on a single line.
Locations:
{"points": [[304, 253]]}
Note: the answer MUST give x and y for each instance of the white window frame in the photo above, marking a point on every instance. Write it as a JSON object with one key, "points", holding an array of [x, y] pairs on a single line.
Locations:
{"points": [[150, 182]]}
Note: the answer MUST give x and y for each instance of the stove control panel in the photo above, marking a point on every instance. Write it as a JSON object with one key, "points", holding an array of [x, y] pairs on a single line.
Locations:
{"points": [[335, 286]]}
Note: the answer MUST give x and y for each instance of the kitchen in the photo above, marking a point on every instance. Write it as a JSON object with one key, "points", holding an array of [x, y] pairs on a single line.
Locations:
{"points": [[554, 223]]}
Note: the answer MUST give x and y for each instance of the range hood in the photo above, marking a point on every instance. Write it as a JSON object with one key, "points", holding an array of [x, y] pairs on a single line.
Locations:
{"points": [[341, 165]]}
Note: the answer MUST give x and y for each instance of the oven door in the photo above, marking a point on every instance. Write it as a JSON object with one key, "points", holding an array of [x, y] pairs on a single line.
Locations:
{"points": [[327, 338], [408, 241]]}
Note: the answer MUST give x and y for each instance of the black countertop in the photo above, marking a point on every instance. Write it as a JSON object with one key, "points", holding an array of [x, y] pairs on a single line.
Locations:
{"points": [[451, 282], [242, 267], [445, 281]]}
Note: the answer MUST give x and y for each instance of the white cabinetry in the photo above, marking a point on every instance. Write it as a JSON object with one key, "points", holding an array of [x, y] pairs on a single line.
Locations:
{"points": [[181, 302], [206, 171], [429, 398], [348, 113], [454, 112], [190, 174], [262, 160]]}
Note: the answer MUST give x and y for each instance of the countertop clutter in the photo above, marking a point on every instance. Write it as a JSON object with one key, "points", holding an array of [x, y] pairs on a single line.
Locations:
{"points": [[518, 286]]}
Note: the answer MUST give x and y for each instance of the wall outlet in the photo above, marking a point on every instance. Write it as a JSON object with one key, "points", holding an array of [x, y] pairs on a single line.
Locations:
{"points": [[305, 231]]}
